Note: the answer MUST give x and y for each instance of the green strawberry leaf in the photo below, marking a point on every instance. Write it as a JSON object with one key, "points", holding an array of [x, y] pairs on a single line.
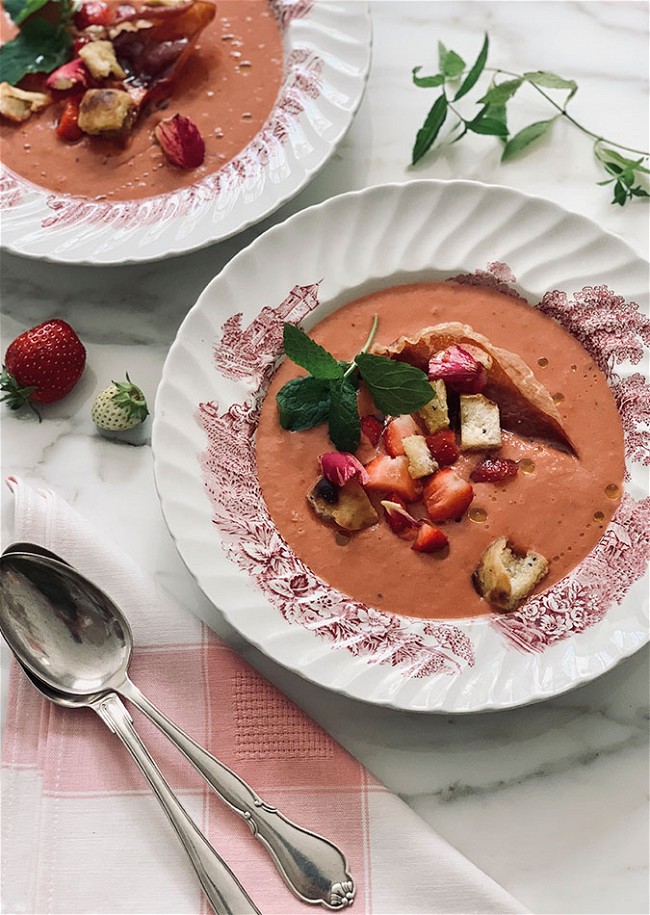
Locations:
{"points": [[303, 403], [395, 387], [302, 350]]}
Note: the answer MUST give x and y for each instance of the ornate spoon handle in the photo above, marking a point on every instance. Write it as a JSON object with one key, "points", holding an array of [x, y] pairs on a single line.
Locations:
{"points": [[312, 866], [224, 891]]}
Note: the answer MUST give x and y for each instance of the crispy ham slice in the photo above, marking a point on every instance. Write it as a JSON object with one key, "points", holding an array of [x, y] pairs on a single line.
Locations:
{"points": [[153, 43], [525, 405]]}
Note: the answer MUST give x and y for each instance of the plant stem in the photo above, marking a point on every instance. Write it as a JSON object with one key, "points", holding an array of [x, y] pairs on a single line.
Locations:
{"points": [[366, 346], [563, 111]]}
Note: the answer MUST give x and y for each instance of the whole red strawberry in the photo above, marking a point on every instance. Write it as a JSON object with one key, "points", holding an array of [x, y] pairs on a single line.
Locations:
{"points": [[42, 365]]}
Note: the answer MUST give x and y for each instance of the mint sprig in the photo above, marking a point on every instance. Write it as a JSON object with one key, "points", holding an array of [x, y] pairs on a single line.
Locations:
{"points": [[627, 175], [329, 392]]}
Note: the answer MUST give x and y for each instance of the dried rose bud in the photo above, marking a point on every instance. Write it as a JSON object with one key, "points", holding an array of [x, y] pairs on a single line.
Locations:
{"points": [[339, 467], [459, 369], [72, 75], [399, 519], [181, 141]]}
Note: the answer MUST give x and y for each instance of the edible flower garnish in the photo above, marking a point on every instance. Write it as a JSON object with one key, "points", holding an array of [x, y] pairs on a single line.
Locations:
{"points": [[329, 391], [339, 467], [181, 141], [459, 369], [398, 516]]}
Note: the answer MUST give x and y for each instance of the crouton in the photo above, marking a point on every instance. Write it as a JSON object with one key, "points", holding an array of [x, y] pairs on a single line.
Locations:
{"points": [[107, 112], [17, 105], [504, 578], [434, 413], [99, 57], [479, 423], [352, 510], [421, 461]]}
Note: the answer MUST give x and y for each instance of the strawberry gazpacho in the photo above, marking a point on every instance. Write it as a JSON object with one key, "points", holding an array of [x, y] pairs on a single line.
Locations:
{"points": [[469, 455], [133, 99]]}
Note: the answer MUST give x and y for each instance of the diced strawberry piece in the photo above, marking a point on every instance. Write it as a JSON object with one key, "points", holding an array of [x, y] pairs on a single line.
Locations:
{"points": [[372, 428], [68, 126], [80, 42], [94, 12], [494, 470], [429, 539], [397, 430], [391, 474], [70, 77], [443, 447], [447, 496], [401, 522]]}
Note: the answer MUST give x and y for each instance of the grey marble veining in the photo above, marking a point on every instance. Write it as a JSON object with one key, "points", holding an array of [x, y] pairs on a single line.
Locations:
{"points": [[550, 800]]}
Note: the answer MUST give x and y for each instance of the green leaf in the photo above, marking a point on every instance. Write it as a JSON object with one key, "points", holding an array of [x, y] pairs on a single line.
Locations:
{"points": [[500, 93], [479, 65], [551, 81], [427, 82], [620, 196], [303, 403], [19, 10], [622, 161], [395, 387], [344, 421], [639, 191], [39, 47], [451, 64], [427, 134], [525, 137], [302, 350], [484, 124]]}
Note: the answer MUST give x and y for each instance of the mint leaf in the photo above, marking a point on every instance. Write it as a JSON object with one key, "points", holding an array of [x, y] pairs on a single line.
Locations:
{"points": [[427, 82], [344, 421], [39, 47], [525, 137], [501, 92], [303, 403], [479, 65], [395, 387], [19, 10], [427, 134], [302, 350], [450, 63]]}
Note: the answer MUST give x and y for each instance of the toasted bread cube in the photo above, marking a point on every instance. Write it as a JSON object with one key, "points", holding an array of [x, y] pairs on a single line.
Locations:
{"points": [[352, 510], [107, 112], [480, 427], [504, 578], [421, 461], [17, 104], [435, 413], [99, 57]]}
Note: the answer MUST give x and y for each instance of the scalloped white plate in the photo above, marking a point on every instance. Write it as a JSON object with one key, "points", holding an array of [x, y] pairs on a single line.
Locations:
{"points": [[214, 381], [327, 46]]}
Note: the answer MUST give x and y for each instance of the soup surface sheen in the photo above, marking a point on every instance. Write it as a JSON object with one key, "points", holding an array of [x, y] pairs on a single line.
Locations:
{"points": [[560, 507], [228, 88]]}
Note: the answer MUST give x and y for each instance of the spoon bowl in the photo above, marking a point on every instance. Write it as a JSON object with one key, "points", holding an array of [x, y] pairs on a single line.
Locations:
{"points": [[62, 627]]}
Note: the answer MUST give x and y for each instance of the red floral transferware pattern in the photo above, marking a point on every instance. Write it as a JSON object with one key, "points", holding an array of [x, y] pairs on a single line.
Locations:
{"points": [[302, 81], [611, 330]]}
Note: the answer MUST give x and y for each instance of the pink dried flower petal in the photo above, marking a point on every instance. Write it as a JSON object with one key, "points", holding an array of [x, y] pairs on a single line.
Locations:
{"points": [[70, 76], [181, 141], [339, 467], [395, 509], [459, 369]]}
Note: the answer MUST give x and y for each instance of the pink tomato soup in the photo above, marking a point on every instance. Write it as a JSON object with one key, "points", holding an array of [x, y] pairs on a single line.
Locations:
{"points": [[558, 505]]}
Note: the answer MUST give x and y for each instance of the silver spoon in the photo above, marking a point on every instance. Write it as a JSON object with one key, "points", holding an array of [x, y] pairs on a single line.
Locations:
{"points": [[223, 890], [71, 636]]}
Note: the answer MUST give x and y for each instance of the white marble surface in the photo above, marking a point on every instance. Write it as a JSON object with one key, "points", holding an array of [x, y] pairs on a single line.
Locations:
{"points": [[549, 800]]}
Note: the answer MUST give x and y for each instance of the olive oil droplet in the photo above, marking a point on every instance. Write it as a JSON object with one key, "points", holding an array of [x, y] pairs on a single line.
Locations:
{"points": [[599, 516], [611, 491], [478, 514], [558, 397], [542, 362], [527, 466]]}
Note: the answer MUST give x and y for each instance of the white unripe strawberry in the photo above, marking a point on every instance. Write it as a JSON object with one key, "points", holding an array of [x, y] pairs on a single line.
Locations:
{"points": [[120, 406]]}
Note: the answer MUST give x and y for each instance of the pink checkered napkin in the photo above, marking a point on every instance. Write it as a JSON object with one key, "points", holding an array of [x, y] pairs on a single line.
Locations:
{"points": [[82, 832]]}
